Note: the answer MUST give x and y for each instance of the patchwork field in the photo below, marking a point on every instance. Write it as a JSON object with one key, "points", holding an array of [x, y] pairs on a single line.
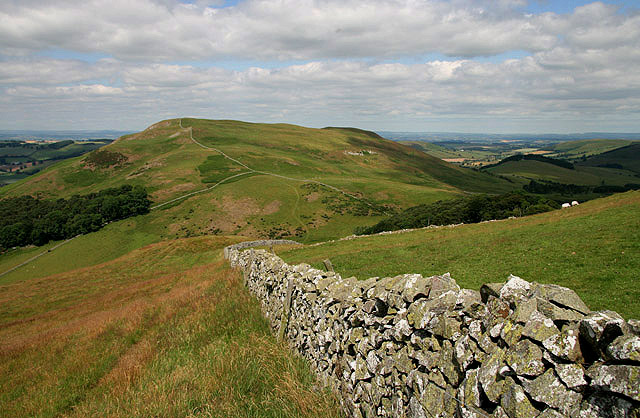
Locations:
{"points": [[19, 159]]}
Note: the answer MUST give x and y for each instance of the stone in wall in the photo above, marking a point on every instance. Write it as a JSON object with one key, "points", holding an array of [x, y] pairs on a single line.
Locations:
{"points": [[422, 347]]}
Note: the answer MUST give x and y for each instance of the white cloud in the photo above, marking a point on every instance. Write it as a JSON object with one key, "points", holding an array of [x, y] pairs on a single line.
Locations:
{"points": [[145, 30], [359, 64], [322, 93]]}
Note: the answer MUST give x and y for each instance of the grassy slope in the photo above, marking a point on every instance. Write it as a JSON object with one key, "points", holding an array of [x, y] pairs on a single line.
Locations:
{"points": [[169, 164], [115, 240], [162, 157], [167, 330], [627, 156], [593, 248], [576, 149], [165, 160], [538, 170]]}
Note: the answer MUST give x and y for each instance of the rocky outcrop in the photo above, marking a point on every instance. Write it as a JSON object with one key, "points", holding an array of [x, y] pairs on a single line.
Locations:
{"points": [[422, 347]]}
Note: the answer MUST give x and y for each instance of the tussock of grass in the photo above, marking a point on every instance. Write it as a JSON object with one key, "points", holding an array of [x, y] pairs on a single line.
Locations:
{"points": [[167, 330]]}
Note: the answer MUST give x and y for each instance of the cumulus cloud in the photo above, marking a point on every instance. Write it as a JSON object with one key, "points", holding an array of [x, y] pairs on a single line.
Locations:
{"points": [[323, 93], [148, 30], [358, 63]]}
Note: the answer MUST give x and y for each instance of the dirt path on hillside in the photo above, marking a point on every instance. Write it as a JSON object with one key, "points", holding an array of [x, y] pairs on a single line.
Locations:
{"points": [[250, 171], [266, 173]]}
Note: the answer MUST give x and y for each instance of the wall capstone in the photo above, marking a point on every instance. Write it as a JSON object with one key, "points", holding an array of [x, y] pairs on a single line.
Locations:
{"points": [[413, 346]]}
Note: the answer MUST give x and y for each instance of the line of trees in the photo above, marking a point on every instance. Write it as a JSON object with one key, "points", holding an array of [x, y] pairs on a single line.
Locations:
{"points": [[471, 209], [549, 187], [26, 220]]}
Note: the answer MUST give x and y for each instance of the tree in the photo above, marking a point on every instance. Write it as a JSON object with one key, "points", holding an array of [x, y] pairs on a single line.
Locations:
{"points": [[26, 220]]}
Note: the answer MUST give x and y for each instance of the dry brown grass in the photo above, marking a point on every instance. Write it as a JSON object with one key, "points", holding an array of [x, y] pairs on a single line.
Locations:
{"points": [[271, 208], [167, 330], [164, 194]]}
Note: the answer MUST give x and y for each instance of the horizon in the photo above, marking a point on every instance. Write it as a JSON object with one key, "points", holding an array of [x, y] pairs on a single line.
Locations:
{"points": [[533, 66], [126, 132]]}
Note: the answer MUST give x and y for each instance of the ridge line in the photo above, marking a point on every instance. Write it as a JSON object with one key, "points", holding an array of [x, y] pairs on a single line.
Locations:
{"points": [[190, 129]]}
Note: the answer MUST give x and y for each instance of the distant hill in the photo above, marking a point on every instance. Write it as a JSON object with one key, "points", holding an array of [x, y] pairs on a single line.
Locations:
{"points": [[271, 182], [573, 150], [626, 157], [599, 171], [533, 157]]}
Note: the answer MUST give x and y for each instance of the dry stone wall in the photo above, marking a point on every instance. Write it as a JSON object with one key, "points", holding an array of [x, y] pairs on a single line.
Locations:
{"points": [[423, 347], [259, 243]]}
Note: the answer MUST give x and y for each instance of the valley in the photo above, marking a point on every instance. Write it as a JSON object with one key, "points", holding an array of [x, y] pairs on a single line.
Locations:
{"points": [[22, 158], [105, 316], [319, 192]]}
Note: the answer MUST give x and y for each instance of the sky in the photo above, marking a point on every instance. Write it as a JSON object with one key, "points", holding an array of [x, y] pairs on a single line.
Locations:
{"points": [[488, 66]]}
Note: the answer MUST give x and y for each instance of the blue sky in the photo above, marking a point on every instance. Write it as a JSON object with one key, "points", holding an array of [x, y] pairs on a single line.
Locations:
{"points": [[421, 65], [567, 6]]}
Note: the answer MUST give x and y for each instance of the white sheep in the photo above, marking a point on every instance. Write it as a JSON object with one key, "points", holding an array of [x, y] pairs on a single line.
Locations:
{"points": [[575, 203], [566, 205]]}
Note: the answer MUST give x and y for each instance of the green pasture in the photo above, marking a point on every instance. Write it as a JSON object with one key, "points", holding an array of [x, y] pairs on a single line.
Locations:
{"points": [[593, 248]]}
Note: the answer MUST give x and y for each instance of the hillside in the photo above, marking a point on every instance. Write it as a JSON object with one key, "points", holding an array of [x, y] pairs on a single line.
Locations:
{"points": [[627, 157], [276, 191], [144, 318], [574, 150], [166, 330], [525, 170], [593, 248]]}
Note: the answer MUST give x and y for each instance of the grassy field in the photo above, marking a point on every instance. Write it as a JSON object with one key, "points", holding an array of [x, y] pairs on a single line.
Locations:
{"points": [[115, 240], [593, 248], [166, 330]]}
